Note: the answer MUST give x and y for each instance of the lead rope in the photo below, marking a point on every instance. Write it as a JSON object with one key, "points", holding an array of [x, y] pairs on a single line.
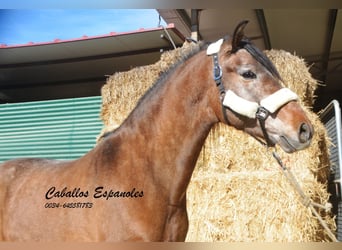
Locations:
{"points": [[306, 201]]}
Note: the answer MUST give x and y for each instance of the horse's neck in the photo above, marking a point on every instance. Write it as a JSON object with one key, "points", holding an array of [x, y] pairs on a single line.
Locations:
{"points": [[171, 123]]}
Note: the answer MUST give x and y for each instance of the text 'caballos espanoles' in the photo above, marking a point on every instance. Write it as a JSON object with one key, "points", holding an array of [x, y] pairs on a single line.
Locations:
{"points": [[97, 193]]}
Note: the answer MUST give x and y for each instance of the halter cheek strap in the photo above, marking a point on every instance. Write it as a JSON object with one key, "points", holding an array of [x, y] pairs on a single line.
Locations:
{"points": [[213, 50]]}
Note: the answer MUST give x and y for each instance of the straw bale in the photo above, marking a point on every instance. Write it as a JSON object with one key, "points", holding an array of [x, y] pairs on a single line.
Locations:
{"points": [[247, 197], [237, 191], [250, 206]]}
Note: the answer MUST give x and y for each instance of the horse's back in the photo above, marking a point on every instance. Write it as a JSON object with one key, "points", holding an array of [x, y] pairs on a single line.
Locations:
{"points": [[18, 172], [10, 170], [13, 169]]}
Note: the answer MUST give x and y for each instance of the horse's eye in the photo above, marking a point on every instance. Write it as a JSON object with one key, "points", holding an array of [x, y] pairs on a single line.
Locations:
{"points": [[249, 75]]}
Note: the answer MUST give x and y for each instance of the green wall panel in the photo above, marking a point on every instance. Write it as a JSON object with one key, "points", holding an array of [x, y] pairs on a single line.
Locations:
{"points": [[56, 129]]}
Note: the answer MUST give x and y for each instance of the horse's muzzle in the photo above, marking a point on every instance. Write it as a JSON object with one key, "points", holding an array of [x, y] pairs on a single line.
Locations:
{"points": [[301, 141]]}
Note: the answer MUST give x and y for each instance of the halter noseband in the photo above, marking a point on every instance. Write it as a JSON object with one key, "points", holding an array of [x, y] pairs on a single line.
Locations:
{"points": [[253, 110]]}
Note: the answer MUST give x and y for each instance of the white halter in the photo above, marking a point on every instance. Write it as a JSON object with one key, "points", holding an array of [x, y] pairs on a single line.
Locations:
{"points": [[271, 103], [247, 108]]}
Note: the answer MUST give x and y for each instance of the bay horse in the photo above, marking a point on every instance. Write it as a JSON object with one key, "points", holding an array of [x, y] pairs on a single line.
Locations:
{"points": [[132, 185]]}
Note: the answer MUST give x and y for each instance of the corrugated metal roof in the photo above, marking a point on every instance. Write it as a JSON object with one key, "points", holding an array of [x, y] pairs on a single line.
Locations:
{"points": [[78, 67], [84, 37]]}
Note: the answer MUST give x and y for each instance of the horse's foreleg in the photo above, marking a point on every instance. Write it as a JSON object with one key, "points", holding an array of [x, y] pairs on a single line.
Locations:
{"points": [[177, 223]]}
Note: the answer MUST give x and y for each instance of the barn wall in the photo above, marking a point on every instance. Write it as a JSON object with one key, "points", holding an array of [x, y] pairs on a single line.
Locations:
{"points": [[58, 129]]}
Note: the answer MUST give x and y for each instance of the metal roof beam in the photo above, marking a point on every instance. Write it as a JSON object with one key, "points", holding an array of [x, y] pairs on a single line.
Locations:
{"points": [[322, 77], [328, 42], [263, 27], [195, 25], [185, 17]]}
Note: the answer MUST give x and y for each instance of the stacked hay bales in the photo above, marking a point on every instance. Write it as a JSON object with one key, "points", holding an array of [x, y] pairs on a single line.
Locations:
{"points": [[237, 191]]}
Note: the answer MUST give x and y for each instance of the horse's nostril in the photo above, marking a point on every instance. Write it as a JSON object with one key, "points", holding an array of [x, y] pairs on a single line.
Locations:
{"points": [[305, 133]]}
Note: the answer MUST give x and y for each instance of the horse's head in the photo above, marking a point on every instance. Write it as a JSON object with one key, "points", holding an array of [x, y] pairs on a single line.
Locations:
{"points": [[252, 96]]}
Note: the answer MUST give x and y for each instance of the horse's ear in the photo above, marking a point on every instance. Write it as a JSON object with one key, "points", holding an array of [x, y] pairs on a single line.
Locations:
{"points": [[238, 35]]}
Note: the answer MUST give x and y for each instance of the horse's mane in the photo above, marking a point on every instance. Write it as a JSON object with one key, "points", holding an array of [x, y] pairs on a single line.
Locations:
{"points": [[188, 53]]}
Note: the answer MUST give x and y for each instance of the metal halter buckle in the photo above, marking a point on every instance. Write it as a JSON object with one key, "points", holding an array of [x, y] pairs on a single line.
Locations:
{"points": [[262, 113], [217, 74]]}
